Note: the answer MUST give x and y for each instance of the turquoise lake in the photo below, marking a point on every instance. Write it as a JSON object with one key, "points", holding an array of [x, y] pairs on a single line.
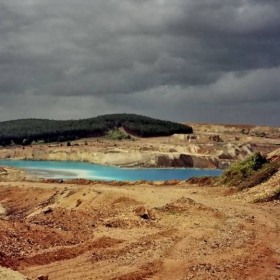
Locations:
{"points": [[71, 170]]}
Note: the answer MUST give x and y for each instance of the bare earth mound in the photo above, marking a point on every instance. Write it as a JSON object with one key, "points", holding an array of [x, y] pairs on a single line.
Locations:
{"points": [[69, 231]]}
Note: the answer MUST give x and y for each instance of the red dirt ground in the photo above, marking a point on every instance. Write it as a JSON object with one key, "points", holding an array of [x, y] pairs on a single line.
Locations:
{"points": [[142, 231]]}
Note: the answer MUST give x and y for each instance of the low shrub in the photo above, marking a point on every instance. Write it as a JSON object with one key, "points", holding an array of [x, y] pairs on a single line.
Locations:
{"points": [[260, 176], [117, 134], [238, 172]]}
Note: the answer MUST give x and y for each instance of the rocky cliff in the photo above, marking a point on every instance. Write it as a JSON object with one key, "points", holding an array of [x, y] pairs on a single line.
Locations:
{"points": [[195, 151], [118, 157]]}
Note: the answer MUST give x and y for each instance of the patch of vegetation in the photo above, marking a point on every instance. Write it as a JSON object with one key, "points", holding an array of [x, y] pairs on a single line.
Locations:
{"points": [[250, 173], [260, 134], [26, 131], [244, 131], [238, 172], [117, 134], [260, 176], [277, 194]]}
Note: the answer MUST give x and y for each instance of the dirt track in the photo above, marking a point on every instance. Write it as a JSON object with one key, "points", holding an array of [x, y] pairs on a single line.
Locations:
{"points": [[137, 232]]}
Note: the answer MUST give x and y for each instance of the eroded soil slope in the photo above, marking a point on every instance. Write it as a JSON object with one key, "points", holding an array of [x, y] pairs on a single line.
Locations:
{"points": [[69, 231]]}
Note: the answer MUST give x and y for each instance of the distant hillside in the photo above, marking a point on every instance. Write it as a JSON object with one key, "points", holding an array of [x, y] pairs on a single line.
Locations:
{"points": [[251, 130], [28, 130]]}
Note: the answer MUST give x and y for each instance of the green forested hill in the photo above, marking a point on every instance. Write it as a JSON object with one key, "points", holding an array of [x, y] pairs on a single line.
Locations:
{"points": [[27, 130]]}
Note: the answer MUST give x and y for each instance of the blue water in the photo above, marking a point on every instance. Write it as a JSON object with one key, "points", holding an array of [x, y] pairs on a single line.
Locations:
{"points": [[71, 170]]}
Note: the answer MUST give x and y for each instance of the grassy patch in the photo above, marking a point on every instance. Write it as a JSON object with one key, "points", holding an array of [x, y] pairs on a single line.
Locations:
{"points": [[238, 172], [117, 134], [260, 176], [277, 194], [249, 173]]}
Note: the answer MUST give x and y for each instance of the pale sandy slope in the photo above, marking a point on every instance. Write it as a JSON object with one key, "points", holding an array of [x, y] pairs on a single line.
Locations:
{"points": [[8, 274]]}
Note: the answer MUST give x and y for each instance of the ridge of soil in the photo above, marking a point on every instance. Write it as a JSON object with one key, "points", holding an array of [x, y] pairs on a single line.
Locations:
{"points": [[137, 232]]}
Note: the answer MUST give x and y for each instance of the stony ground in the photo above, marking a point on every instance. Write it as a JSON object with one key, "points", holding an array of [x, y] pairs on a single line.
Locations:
{"points": [[140, 231]]}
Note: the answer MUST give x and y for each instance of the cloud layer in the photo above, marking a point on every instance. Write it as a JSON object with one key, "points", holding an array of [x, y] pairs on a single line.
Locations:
{"points": [[192, 60]]}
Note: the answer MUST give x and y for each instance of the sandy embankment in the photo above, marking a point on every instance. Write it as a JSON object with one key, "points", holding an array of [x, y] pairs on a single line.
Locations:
{"points": [[8, 274], [11, 174], [122, 157], [2, 211]]}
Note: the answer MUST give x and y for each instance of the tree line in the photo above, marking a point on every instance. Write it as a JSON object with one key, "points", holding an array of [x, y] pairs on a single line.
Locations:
{"points": [[25, 131]]}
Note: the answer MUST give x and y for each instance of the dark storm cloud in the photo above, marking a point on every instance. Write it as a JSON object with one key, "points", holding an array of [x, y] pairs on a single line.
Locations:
{"points": [[114, 56]]}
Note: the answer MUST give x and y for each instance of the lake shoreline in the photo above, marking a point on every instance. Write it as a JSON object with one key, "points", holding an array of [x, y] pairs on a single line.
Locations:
{"points": [[114, 166], [73, 170], [132, 155]]}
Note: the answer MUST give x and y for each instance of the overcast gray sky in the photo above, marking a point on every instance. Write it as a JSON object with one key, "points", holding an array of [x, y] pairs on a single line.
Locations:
{"points": [[182, 60]]}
